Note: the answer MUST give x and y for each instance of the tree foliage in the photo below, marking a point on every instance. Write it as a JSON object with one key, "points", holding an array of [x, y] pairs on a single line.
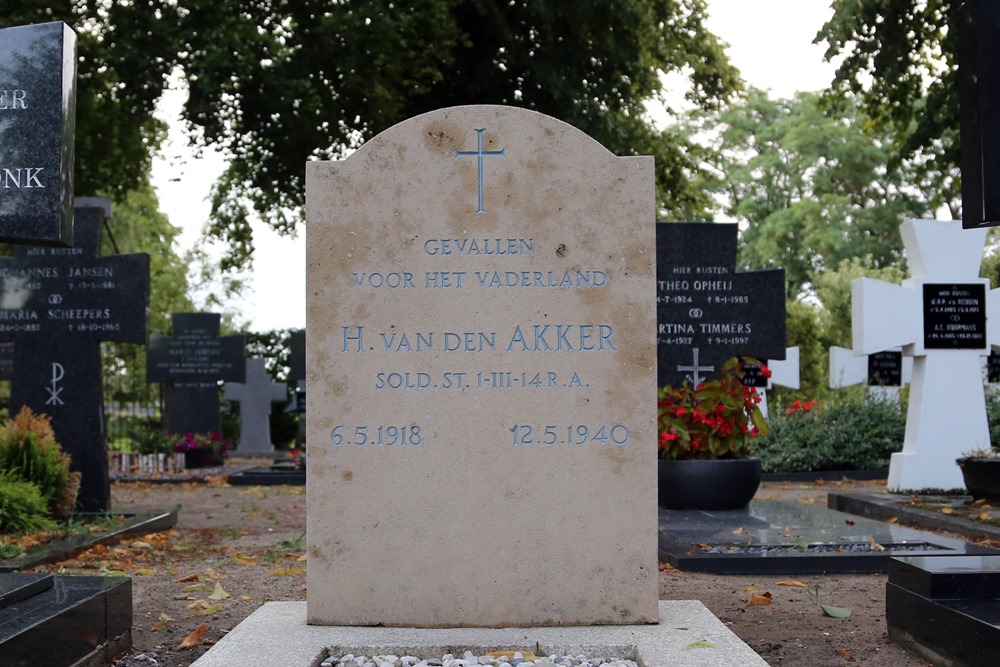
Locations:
{"points": [[900, 57], [276, 83], [810, 188]]}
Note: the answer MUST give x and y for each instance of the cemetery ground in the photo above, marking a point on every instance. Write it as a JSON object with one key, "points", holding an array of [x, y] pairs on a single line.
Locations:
{"points": [[237, 547]]}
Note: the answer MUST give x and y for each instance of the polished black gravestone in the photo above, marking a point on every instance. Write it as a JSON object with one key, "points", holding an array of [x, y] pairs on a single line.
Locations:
{"points": [[191, 363], [781, 537], [706, 312], [59, 304], [38, 111], [979, 104], [946, 607], [46, 620]]}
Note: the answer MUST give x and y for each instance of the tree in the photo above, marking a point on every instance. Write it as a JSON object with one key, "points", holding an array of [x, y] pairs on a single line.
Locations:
{"points": [[809, 187], [274, 84], [900, 57]]}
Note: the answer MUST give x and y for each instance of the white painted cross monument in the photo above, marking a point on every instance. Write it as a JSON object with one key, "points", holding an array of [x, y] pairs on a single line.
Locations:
{"points": [[255, 396], [939, 317], [848, 369]]}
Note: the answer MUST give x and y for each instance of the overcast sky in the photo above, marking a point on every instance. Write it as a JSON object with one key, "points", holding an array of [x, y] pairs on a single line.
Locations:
{"points": [[769, 40]]}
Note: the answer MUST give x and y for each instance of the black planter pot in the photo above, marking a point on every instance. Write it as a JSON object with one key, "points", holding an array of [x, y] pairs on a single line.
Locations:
{"points": [[727, 484], [982, 477], [201, 458]]}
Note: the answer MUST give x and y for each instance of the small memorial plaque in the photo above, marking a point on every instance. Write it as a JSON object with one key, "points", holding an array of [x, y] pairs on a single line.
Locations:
{"points": [[753, 376], [954, 316], [37, 125], [993, 368], [885, 369]]}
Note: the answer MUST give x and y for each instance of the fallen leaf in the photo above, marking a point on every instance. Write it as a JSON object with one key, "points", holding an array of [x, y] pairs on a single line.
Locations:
{"points": [[303, 558], [835, 612], [209, 610], [978, 502], [792, 583], [738, 531], [242, 559], [844, 653], [191, 588], [875, 545], [141, 545], [750, 589], [892, 519], [808, 501], [186, 578], [756, 600], [284, 572], [527, 655], [947, 510], [218, 593], [246, 598], [802, 543], [984, 516], [701, 643], [849, 522], [667, 567], [194, 637], [163, 622], [196, 604]]}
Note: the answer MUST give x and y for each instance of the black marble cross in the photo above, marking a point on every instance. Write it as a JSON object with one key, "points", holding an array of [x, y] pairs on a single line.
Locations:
{"points": [[57, 305], [706, 312], [191, 363]]}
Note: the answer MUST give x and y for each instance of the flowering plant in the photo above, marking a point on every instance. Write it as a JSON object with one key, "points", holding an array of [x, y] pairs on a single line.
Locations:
{"points": [[800, 407], [191, 441], [715, 420]]}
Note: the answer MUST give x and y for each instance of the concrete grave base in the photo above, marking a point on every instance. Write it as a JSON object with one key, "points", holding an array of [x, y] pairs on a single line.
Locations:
{"points": [[277, 634]]}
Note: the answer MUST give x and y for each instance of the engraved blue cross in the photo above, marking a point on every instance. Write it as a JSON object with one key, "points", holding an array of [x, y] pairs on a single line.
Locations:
{"points": [[696, 369], [479, 154]]}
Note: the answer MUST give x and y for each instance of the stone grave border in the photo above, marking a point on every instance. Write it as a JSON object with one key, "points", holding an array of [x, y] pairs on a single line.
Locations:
{"points": [[135, 523], [682, 622]]}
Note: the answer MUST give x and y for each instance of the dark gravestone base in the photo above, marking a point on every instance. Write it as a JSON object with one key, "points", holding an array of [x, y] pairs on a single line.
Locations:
{"points": [[282, 472], [778, 537], [946, 608], [46, 620]]}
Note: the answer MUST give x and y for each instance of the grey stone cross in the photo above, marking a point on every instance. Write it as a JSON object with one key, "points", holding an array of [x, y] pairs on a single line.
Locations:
{"points": [[479, 154]]}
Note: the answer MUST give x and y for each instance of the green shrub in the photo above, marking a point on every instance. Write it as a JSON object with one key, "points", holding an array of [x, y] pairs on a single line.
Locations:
{"points": [[22, 507], [28, 449], [147, 437], [858, 435]]}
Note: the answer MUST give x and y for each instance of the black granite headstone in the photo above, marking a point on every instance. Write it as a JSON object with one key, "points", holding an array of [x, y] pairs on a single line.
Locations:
{"points": [[885, 369], [37, 126], [707, 312], [191, 363], [298, 371], [979, 103], [954, 316], [58, 304], [753, 375]]}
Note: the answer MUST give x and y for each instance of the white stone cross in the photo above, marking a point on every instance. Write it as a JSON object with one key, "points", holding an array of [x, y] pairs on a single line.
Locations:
{"points": [[848, 369], [255, 397], [933, 317]]}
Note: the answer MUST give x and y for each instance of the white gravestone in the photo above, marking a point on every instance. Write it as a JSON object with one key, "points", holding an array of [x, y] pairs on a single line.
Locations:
{"points": [[255, 397], [481, 334], [938, 317], [848, 369]]}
